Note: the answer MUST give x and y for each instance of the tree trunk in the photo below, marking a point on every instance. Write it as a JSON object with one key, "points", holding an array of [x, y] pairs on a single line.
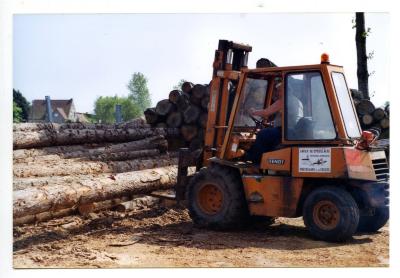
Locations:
{"points": [[41, 217], [189, 132], [151, 116], [78, 136], [72, 167], [362, 65], [365, 107], [161, 125], [174, 119], [164, 107], [127, 155], [191, 114], [55, 197]]}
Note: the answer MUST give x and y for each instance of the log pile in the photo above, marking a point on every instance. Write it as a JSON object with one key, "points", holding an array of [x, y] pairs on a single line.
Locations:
{"points": [[60, 169], [185, 110], [370, 116]]}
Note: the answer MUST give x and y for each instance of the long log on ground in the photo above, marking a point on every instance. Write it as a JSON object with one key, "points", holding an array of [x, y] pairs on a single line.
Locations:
{"points": [[44, 216], [52, 198], [71, 167], [151, 116], [153, 142], [80, 136], [199, 91], [384, 123], [135, 123], [127, 155], [183, 102]]}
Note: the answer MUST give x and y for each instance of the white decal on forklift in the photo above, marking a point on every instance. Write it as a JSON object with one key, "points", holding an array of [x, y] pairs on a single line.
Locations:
{"points": [[234, 147], [316, 160]]}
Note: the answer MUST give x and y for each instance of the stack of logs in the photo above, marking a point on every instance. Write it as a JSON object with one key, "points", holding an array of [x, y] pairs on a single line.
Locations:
{"points": [[186, 110], [370, 116], [60, 169]]}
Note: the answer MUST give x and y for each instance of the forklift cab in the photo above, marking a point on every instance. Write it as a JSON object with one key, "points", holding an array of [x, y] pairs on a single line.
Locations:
{"points": [[317, 108]]}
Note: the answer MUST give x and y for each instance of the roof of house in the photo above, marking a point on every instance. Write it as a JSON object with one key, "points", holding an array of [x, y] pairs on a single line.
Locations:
{"points": [[61, 106], [81, 117]]}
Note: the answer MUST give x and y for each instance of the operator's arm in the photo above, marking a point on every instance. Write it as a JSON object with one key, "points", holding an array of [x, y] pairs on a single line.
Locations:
{"points": [[270, 110]]}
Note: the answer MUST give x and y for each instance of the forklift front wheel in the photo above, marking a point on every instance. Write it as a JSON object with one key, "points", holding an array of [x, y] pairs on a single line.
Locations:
{"points": [[331, 214]]}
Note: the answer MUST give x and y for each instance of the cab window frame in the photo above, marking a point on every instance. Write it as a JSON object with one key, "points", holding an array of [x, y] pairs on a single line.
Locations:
{"points": [[285, 131]]}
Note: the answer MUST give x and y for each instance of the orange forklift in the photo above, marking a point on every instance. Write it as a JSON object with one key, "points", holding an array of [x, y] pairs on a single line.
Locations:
{"points": [[325, 169]]}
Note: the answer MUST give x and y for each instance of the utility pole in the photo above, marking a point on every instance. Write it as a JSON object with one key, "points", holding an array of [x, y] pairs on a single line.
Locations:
{"points": [[362, 65]]}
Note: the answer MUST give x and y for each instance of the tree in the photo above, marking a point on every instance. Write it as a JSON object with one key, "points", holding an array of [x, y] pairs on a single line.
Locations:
{"points": [[362, 64], [139, 92], [22, 103], [17, 113], [179, 85], [105, 108]]}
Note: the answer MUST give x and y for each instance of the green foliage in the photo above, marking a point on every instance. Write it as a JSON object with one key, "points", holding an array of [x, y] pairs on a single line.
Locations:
{"points": [[105, 108], [179, 85], [17, 113], [22, 103], [139, 92]]}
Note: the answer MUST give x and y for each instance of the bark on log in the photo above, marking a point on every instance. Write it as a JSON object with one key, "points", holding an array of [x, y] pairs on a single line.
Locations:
{"points": [[161, 125], [174, 96], [79, 136], [194, 100], [203, 120], [191, 114], [174, 119], [44, 216], [367, 119], [134, 123], [204, 102], [356, 94], [187, 87], [52, 198], [127, 155], [27, 155], [199, 91], [71, 167], [151, 116], [365, 107], [183, 102], [164, 107], [189, 132], [378, 114]]}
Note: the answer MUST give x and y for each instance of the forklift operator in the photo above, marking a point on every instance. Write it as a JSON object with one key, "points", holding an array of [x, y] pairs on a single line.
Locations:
{"points": [[268, 138]]}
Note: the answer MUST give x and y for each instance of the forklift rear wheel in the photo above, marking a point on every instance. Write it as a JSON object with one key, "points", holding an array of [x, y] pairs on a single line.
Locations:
{"points": [[331, 214], [370, 224], [216, 198]]}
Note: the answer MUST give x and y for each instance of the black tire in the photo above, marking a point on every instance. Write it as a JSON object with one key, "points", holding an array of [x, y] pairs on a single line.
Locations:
{"points": [[233, 211], [331, 214], [370, 224]]}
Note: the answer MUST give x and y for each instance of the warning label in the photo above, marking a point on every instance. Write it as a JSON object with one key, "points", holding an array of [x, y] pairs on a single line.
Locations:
{"points": [[316, 160]]}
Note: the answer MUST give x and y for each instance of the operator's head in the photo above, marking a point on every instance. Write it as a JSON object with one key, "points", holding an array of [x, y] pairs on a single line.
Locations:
{"points": [[264, 63]]}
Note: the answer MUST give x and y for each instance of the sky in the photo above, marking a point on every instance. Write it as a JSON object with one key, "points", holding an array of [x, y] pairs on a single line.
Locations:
{"points": [[87, 56]]}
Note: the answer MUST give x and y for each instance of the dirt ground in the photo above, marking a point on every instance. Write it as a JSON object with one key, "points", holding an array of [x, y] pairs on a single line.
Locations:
{"points": [[165, 237]]}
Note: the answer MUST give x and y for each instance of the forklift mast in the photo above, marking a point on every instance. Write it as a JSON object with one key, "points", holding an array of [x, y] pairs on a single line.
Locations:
{"points": [[230, 58]]}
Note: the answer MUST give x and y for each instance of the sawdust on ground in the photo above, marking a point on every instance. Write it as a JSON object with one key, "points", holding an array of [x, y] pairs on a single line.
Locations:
{"points": [[166, 237]]}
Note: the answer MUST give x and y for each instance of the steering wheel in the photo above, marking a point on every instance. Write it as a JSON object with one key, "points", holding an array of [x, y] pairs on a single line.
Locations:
{"points": [[259, 123]]}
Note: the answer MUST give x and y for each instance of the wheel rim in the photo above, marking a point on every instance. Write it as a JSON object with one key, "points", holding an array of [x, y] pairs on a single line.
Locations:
{"points": [[326, 215], [210, 199]]}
